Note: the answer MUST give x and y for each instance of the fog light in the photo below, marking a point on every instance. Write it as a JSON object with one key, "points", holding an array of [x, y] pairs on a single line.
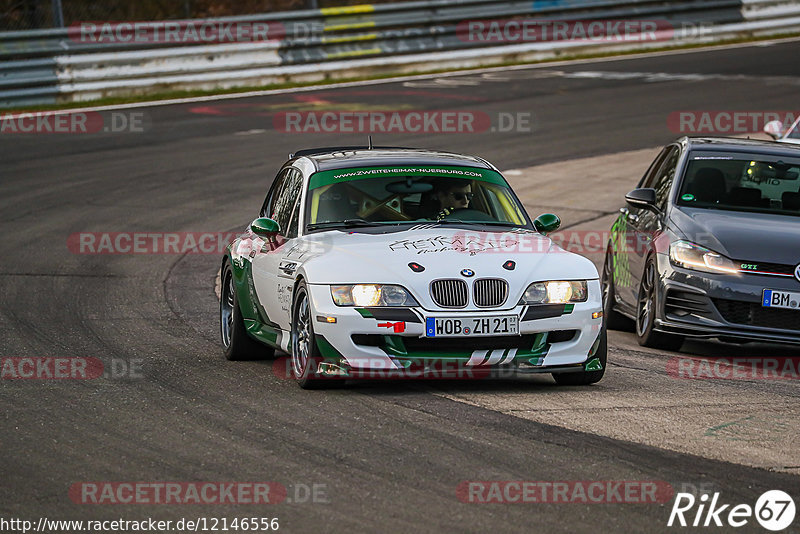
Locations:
{"points": [[323, 319]]}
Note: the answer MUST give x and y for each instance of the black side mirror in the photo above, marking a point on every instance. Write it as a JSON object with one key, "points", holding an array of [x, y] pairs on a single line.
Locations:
{"points": [[644, 198]]}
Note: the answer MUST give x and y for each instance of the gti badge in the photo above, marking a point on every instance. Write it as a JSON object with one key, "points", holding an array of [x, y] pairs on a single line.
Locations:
{"points": [[797, 272], [470, 272]]}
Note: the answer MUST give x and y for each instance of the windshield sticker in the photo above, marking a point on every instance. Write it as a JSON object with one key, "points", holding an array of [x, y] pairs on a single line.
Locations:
{"points": [[688, 197], [324, 178]]}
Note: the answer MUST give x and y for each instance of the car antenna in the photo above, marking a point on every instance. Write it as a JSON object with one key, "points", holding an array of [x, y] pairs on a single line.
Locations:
{"points": [[369, 138]]}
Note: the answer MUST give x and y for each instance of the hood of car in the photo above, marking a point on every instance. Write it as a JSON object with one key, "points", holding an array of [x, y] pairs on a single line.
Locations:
{"points": [[753, 237], [417, 256]]}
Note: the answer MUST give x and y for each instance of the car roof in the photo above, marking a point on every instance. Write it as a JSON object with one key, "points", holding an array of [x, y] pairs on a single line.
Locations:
{"points": [[735, 144], [342, 157]]}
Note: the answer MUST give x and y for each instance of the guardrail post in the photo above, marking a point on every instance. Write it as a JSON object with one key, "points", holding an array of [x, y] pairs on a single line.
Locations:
{"points": [[58, 14]]}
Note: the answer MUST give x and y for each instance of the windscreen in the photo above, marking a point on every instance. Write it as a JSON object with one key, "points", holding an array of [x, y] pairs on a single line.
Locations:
{"points": [[390, 195], [742, 182]]}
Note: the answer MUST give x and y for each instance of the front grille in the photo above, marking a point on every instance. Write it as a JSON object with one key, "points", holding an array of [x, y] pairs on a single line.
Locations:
{"points": [[774, 268], [435, 346], [449, 293], [683, 303], [489, 292], [752, 314]]}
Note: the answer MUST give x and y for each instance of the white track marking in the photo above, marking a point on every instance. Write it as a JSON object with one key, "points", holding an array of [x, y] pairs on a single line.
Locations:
{"points": [[254, 131]]}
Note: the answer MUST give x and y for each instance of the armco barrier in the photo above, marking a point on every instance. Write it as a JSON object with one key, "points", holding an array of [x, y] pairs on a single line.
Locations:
{"points": [[49, 66]]}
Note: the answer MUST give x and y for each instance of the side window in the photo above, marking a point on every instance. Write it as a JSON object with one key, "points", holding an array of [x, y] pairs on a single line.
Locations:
{"points": [[285, 199], [662, 181], [651, 170], [266, 207]]}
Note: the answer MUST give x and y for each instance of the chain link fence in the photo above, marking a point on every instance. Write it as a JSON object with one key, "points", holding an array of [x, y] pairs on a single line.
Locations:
{"points": [[39, 14]]}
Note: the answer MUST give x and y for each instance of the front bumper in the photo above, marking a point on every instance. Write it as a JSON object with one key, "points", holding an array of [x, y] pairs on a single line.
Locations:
{"points": [[701, 305], [390, 342]]}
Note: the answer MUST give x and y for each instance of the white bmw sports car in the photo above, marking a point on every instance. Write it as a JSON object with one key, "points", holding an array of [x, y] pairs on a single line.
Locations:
{"points": [[394, 262]]}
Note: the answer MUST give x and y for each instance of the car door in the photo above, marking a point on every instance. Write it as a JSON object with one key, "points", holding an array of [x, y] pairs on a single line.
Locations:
{"points": [[273, 275], [624, 232], [645, 225]]}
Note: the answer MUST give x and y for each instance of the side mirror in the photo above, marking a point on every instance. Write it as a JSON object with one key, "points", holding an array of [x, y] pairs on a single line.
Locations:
{"points": [[265, 227], [547, 223], [774, 129], [644, 198]]}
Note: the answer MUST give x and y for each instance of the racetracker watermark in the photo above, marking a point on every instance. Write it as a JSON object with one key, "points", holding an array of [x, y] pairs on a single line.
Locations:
{"points": [[75, 122], [150, 242], [697, 368], [416, 369], [208, 493], [69, 368], [726, 122], [577, 241], [50, 368], [565, 491], [176, 32], [582, 31], [403, 121]]}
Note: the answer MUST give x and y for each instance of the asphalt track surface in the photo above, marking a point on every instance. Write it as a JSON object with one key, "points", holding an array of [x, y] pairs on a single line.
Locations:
{"points": [[390, 455]]}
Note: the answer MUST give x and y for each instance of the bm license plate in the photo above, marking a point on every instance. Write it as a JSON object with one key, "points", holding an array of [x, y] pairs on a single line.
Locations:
{"points": [[780, 299], [471, 326]]}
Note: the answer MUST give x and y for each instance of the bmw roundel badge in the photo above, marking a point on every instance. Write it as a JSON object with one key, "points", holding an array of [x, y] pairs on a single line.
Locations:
{"points": [[467, 272], [796, 272]]}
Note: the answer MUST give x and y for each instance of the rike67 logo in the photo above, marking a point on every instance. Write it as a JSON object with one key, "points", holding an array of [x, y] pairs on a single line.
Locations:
{"points": [[774, 510]]}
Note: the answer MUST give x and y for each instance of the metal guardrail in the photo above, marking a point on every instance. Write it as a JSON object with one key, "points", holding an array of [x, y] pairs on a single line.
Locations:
{"points": [[47, 66]]}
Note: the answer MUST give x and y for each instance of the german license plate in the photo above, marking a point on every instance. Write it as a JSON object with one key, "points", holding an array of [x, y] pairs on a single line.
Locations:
{"points": [[774, 298], [471, 326]]}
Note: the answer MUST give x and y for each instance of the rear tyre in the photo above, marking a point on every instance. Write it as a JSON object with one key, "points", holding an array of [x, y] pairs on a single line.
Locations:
{"points": [[613, 319], [305, 353], [646, 307], [584, 378], [236, 341]]}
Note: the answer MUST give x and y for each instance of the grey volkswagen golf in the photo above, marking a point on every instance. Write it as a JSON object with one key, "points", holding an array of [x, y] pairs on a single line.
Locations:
{"points": [[708, 246]]}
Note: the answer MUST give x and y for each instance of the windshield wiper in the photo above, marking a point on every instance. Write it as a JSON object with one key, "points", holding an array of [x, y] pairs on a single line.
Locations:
{"points": [[347, 223]]}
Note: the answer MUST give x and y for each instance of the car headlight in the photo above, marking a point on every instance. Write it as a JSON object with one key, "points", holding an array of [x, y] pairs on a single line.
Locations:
{"points": [[690, 256], [555, 292], [372, 295]]}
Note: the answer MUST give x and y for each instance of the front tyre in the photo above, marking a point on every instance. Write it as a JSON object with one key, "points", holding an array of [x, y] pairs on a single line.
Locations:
{"points": [[584, 378], [646, 307], [237, 343], [305, 353]]}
